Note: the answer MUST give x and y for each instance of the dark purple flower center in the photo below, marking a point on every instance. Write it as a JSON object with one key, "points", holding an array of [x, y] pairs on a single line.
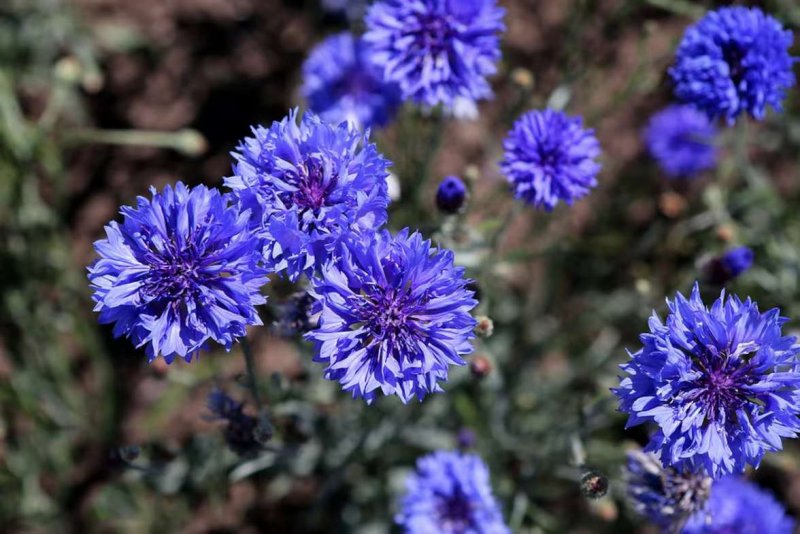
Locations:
{"points": [[721, 393], [733, 55], [455, 512], [175, 274], [387, 314], [434, 33], [312, 190]]}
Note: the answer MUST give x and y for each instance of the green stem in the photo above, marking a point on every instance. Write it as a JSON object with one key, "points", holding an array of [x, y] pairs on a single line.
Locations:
{"points": [[250, 366], [188, 142]]}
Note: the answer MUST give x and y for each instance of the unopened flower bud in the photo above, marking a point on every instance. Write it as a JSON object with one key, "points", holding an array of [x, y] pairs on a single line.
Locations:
{"points": [[466, 438], [480, 366], [594, 484], [451, 195], [485, 326]]}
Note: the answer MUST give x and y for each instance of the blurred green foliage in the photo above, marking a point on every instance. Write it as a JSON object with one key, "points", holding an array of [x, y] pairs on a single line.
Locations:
{"points": [[568, 292]]}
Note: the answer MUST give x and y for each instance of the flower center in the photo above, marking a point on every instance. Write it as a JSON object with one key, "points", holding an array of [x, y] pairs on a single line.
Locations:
{"points": [[387, 315], [312, 189], [435, 33], [721, 393], [733, 56], [689, 491], [455, 513], [174, 274]]}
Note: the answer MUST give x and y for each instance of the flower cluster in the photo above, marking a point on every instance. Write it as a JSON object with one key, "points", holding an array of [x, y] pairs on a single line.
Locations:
{"points": [[437, 51], [681, 139], [394, 316], [735, 60], [308, 184], [550, 157], [181, 269], [722, 384], [342, 83], [450, 492]]}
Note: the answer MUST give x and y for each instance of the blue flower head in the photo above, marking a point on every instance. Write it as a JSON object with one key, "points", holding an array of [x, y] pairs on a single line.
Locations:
{"points": [[664, 496], [395, 314], [181, 269], [734, 60], [550, 157], [342, 83], [451, 195], [307, 185], [437, 51], [450, 493], [739, 506], [681, 139], [720, 383]]}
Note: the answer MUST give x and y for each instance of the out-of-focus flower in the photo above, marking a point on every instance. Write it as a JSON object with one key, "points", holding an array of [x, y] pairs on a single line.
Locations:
{"points": [[734, 60], [295, 316], [394, 316], [663, 495], [681, 139], [240, 428], [721, 383], [451, 195], [181, 269], [437, 51], [485, 326], [342, 83], [308, 185], [550, 157], [730, 265], [737, 505], [450, 493]]}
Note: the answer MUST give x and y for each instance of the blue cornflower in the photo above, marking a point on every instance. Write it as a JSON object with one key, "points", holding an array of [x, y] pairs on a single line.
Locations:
{"points": [[342, 83], [721, 383], [739, 506], [734, 60], [549, 156], [681, 139], [438, 51], [307, 185], [664, 496], [450, 493], [394, 316], [240, 428], [451, 195], [180, 270]]}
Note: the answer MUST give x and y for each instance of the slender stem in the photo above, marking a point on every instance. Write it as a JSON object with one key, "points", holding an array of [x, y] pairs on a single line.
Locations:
{"points": [[188, 142], [250, 365]]}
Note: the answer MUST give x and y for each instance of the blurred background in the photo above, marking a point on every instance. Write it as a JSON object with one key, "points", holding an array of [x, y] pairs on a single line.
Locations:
{"points": [[100, 99]]}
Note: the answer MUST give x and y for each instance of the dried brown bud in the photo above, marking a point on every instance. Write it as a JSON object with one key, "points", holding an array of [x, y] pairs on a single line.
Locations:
{"points": [[594, 484], [485, 326], [480, 366]]}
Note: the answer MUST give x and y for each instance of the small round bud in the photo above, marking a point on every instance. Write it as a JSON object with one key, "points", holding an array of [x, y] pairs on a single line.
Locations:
{"points": [[480, 366], [522, 77], [451, 195], [466, 438], [672, 204], [68, 69], [594, 484], [485, 326], [191, 143]]}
